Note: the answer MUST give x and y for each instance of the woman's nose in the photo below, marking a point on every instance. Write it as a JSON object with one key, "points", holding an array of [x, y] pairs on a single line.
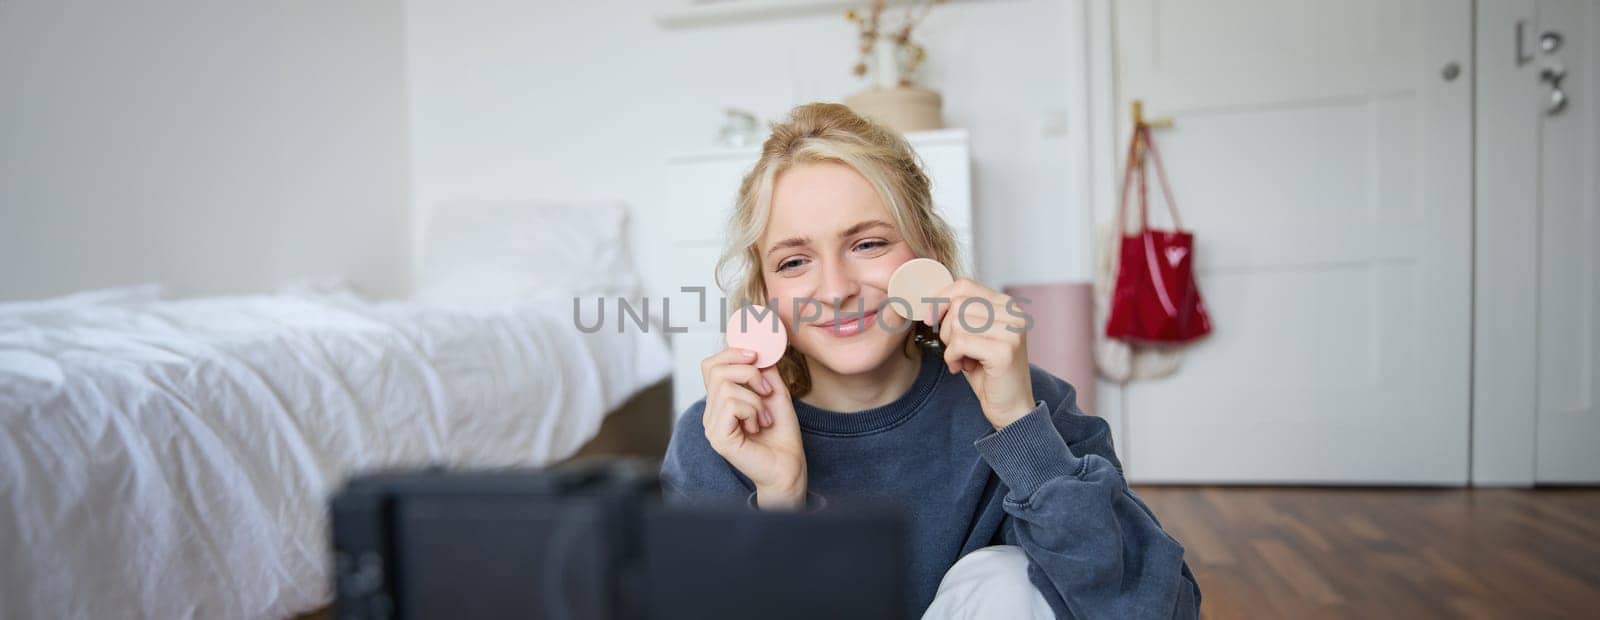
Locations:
{"points": [[839, 284]]}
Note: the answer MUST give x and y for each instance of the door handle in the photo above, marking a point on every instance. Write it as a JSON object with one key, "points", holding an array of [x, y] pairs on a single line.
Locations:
{"points": [[1558, 97], [1549, 43]]}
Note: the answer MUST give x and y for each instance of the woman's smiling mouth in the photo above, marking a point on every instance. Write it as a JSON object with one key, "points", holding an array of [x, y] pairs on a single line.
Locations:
{"points": [[848, 324]]}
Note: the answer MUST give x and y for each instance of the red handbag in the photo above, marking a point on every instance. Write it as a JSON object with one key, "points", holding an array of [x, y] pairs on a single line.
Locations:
{"points": [[1155, 299]]}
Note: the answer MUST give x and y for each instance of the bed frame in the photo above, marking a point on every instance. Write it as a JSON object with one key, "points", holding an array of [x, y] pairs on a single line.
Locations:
{"points": [[639, 428]]}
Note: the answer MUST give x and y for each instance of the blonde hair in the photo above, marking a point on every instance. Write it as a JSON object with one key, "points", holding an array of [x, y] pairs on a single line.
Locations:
{"points": [[831, 133]]}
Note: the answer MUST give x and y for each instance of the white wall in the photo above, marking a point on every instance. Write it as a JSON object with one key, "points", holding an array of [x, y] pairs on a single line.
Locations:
{"points": [[584, 100], [228, 147], [213, 146]]}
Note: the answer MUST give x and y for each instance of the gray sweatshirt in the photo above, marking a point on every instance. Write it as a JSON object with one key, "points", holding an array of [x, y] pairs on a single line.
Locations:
{"points": [[1049, 483]]}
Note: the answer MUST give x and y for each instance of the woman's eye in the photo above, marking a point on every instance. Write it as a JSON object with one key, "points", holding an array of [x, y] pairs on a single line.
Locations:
{"points": [[871, 245], [790, 264]]}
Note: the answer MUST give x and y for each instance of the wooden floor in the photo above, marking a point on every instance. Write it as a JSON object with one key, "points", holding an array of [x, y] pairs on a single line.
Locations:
{"points": [[1387, 553]]}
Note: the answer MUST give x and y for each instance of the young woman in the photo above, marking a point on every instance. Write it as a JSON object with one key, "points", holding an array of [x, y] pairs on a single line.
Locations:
{"points": [[988, 453]]}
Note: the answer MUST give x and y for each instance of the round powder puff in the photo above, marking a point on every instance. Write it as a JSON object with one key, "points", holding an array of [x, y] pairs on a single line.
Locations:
{"points": [[914, 280], [756, 328]]}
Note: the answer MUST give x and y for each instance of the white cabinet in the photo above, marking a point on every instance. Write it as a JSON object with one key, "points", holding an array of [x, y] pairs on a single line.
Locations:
{"points": [[701, 189]]}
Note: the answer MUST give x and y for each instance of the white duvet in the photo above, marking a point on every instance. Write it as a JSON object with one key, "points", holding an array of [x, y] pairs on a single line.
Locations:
{"points": [[172, 459]]}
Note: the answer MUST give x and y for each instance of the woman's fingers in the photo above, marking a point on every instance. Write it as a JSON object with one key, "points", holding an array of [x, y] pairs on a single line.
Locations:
{"points": [[740, 372], [975, 322], [726, 363], [729, 355], [717, 408], [967, 351], [743, 399], [948, 300], [975, 308], [755, 401], [952, 333], [780, 408], [732, 414], [974, 312]]}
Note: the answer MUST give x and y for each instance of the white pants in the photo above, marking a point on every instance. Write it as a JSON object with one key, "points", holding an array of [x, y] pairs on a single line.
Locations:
{"points": [[991, 582]]}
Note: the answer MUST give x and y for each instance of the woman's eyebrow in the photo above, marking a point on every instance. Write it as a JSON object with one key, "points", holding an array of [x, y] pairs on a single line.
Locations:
{"points": [[857, 229]]}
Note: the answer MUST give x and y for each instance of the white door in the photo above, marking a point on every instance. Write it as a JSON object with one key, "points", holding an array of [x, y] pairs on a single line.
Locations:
{"points": [[1321, 150], [1569, 227], [1536, 343]]}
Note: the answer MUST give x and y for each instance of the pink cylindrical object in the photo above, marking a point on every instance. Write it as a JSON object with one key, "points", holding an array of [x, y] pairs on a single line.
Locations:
{"points": [[1062, 338]]}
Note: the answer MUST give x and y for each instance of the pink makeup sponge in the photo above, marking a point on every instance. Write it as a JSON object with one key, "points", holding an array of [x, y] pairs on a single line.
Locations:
{"points": [[914, 280], [757, 329]]}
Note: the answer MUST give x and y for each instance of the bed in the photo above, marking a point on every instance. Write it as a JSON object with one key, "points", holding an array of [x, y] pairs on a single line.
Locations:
{"points": [[171, 458]]}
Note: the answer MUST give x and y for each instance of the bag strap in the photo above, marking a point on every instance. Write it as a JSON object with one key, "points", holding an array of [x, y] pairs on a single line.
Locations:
{"points": [[1161, 173], [1134, 161], [1144, 184]]}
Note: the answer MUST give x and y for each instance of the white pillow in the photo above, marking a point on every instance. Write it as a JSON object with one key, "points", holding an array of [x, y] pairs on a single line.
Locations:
{"points": [[498, 252]]}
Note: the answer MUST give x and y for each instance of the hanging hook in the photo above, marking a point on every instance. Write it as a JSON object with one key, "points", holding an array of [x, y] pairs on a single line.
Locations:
{"points": [[1139, 121], [1153, 123]]}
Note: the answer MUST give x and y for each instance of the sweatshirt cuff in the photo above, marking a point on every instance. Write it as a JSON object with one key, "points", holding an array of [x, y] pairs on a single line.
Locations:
{"points": [[1028, 453], [814, 502]]}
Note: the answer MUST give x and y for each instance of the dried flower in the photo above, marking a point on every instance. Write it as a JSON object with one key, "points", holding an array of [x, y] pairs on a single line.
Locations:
{"points": [[908, 55]]}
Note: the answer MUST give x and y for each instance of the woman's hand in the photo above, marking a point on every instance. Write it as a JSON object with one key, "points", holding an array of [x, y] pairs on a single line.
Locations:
{"points": [[983, 338], [750, 421]]}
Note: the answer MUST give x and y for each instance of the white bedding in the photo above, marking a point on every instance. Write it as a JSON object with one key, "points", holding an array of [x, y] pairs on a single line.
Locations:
{"points": [[172, 459]]}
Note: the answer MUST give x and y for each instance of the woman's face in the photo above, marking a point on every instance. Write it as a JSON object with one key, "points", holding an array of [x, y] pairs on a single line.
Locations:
{"points": [[830, 239]]}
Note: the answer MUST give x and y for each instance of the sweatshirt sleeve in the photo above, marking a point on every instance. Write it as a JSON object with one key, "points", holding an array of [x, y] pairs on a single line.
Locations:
{"points": [[1096, 550], [693, 472]]}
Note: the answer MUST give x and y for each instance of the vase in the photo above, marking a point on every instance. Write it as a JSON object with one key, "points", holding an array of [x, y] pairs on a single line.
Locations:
{"points": [[901, 107]]}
